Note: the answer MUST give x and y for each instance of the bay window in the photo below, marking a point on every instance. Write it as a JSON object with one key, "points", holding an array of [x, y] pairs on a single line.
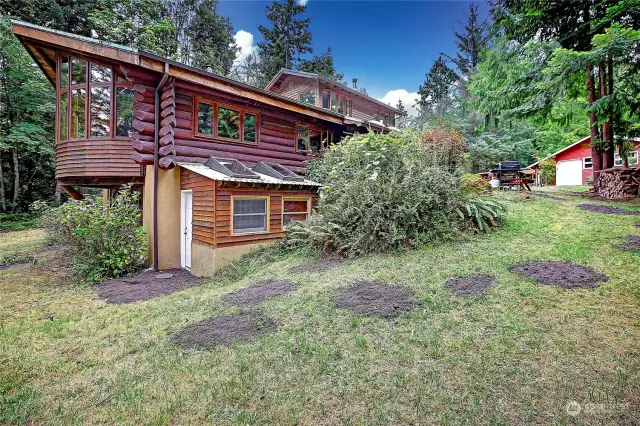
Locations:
{"points": [[86, 102], [225, 122]]}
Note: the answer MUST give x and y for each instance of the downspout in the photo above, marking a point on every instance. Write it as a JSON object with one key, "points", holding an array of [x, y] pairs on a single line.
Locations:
{"points": [[156, 155]]}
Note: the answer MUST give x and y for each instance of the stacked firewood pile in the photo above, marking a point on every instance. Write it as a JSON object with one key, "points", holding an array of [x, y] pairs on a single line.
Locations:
{"points": [[619, 183]]}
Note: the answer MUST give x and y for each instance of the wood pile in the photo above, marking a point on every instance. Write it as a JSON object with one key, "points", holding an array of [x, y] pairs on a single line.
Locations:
{"points": [[619, 183]]}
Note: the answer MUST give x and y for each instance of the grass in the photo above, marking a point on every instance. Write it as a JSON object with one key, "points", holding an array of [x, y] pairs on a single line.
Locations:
{"points": [[515, 355]]}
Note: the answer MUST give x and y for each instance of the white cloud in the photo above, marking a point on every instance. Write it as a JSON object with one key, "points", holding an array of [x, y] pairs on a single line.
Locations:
{"points": [[244, 40], [409, 100], [302, 2]]}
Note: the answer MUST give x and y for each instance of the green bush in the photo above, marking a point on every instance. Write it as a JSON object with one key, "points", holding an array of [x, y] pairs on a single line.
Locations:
{"points": [[481, 214], [107, 241], [381, 192]]}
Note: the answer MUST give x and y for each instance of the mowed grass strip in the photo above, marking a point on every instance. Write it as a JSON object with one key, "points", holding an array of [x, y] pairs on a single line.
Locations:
{"points": [[516, 354]]}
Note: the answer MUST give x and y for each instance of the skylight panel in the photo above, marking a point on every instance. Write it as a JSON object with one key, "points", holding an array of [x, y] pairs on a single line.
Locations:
{"points": [[231, 168], [277, 171]]}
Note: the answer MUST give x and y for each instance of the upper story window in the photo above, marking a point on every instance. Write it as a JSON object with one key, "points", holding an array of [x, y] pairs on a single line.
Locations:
{"points": [[336, 102], [93, 102], [308, 97], [225, 122], [382, 117]]}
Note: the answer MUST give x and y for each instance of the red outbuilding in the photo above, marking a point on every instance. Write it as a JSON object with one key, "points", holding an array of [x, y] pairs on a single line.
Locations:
{"points": [[574, 164]]}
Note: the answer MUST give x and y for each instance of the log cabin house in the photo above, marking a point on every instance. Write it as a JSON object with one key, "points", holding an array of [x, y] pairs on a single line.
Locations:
{"points": [[220, 164]]}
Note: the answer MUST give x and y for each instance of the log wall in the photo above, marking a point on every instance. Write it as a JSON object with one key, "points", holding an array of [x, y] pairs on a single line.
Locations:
{"points": [[212, 209], [95, 158]]}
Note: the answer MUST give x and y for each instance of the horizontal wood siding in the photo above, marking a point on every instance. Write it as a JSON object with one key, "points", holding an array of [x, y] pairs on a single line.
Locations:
{"points": [[95, 158], [212, 210], [293, 86], [362, 109], [203, 205], [223, 214]]}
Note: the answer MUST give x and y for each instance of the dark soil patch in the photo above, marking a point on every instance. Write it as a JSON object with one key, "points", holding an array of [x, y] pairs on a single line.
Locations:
{"points": [[258, 293], [633, 243], [144, 286], [376, 299], [607, 209], [318, 265], [224, 330], [561, 274], [469, 285]]}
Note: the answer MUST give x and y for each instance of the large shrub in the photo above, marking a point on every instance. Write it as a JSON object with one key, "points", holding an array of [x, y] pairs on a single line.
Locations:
{"points": [[380, 192], [107, 239]]}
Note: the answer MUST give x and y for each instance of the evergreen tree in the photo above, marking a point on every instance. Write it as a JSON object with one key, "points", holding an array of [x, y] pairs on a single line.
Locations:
{"points": [[402, 119], [212, 39], [286, 41], [438, 94], [322, 65], [470, 44]]}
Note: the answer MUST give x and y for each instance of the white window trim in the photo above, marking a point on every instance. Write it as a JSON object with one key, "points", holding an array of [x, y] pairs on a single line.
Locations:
{"points": [[584, 163], [267, 214]]}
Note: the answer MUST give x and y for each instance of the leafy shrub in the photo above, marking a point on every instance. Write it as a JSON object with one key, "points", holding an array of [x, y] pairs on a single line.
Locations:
{"points": [[481, 213], [381, 192], [106, 242], [17, 221], [474, 184], [548, 171], [446, 146]]}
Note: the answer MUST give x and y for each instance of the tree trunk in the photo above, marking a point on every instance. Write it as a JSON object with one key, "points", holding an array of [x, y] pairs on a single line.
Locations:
{"points": [[3, 194], [16, 178], [607, 144], [596, 157]]}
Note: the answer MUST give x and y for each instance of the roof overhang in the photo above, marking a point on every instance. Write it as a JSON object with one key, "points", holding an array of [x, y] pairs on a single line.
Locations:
{"points": [[35, 38], [560, 151]]}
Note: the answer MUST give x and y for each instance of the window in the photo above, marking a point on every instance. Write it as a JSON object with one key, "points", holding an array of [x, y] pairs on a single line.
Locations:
{"points": [[302, 141], [308, 97], [340, 105], [325, 99], [295, 209], [335, 102], [617, 160], [632, 159], [218, 121], [320, 139], [228, 123], [348, 107], [333, 98], [88, 97], [250, 215], [386, 119], [587, 163]]}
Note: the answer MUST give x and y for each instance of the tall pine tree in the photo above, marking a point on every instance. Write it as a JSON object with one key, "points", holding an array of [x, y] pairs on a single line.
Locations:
{"points": [[213, 45], [322, 65], [286, 41], [470, 44], [438, 94]]}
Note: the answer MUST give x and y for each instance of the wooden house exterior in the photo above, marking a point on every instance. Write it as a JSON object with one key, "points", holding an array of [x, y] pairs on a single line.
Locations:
{"points": [[126, 116]]}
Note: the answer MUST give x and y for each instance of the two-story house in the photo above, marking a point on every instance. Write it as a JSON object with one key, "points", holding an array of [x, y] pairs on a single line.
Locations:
{"points": [[220, 164]]}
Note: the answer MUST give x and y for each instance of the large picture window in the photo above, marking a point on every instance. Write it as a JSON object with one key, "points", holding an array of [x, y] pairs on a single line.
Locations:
{"points": [[225, 122], [335, 102], [89, 94], [250, 215], [295, 209]]}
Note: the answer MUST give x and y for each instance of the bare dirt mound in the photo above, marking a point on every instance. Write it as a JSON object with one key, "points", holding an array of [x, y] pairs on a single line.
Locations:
{"points": [[633, 243], [318, 265], [376, 299], [469, 285], [223, 330], [607, 209], [258, 293], [145, 285], [561, 274]]}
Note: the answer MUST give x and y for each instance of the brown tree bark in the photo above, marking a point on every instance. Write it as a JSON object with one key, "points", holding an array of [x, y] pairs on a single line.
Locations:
{"points": [[596, 156], [3, 194], [16, 178], [607, 143]]}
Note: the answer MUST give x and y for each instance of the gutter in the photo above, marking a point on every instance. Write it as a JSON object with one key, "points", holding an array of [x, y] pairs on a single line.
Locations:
{"points": [[156, 155]]}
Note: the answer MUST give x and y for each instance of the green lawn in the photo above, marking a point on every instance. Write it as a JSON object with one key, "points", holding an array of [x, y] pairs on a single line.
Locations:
{"points": [[515, 355]]}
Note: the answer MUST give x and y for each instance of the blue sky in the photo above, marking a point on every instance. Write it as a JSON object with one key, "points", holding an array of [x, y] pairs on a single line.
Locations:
{"points": [[388, 45]]}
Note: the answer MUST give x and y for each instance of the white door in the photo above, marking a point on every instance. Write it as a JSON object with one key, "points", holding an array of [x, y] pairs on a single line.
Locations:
{"points": [[186, 228], [569, 172]]}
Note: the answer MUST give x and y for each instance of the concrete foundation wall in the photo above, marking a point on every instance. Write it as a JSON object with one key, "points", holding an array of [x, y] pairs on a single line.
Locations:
{"points": [[206, 260], [168, 216]]}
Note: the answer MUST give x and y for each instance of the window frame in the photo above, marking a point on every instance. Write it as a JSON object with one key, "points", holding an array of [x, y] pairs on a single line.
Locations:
{"points": [[309, 201], [319, 129], [267, 198], [637, 157], [87, 85], [584, 163], [214, 136], [617, 157], [338, 96]]}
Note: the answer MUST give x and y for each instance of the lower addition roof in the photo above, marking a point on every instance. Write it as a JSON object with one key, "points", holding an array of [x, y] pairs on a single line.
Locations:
{"points": [[206, 171]]}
